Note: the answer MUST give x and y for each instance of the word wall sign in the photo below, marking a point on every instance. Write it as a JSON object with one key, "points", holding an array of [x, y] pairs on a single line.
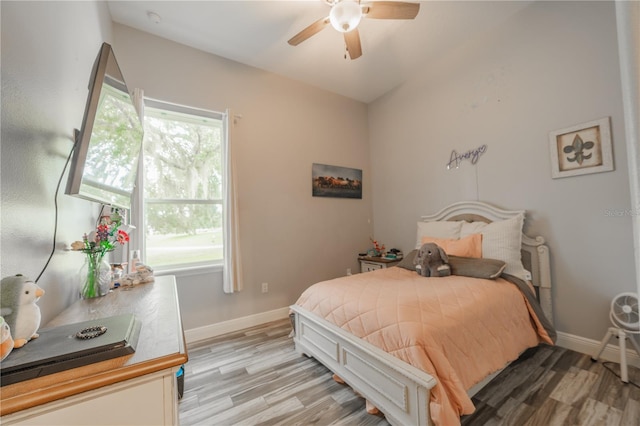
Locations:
{"points": [[472, 155]]}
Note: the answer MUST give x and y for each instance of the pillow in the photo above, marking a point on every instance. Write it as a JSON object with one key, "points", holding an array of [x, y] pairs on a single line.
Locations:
{"points": [[469, 246], [469, 228], [476, 268], [501, 240], [444, 229], [407, 261]]}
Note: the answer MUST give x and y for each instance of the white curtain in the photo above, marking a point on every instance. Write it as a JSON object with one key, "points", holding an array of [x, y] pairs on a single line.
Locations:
{"points": [[136, 216], [232, 273]]}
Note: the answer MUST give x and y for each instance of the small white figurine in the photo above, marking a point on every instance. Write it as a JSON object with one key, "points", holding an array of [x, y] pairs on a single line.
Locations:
{"points": [[18, 297]]}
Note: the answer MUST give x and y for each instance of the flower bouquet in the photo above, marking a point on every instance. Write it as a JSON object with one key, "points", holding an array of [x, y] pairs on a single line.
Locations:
{"points": [[96, 275], [377, 250]]}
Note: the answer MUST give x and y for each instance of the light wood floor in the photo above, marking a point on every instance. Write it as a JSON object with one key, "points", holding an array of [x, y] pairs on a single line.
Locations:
{"points": [[255, 377]]}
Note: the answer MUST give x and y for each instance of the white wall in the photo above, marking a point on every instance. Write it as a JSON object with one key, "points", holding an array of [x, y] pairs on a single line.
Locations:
{"points": [[289, 238], [552, 66], [48, 50]]}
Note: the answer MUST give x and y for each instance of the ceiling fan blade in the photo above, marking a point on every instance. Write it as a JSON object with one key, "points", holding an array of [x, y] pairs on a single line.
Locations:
{"points": [[391, 10], [312, 29], [352, 39]]}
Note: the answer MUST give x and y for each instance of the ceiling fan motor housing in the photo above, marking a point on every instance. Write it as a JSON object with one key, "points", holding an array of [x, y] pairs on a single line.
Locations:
{"points": [[345, 15]]}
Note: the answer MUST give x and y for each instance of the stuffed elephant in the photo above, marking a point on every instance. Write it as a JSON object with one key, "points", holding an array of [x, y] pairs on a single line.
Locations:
{"points": [[432, 261]]}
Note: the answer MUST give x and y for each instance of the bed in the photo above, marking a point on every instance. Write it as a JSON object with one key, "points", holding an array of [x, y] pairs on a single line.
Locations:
{"points": [[419, 364]]}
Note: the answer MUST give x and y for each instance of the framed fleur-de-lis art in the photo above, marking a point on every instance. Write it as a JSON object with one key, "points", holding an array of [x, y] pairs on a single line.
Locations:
{"points": [[581, 149]]}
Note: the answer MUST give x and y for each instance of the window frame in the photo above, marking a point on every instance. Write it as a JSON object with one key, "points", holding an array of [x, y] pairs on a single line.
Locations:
{"points": [[139, 203]]}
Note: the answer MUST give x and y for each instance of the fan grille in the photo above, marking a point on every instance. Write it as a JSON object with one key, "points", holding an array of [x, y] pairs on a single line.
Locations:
{"points": [[625, 312]]}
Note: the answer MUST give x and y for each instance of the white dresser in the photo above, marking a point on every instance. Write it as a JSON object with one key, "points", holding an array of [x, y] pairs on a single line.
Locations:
{"points": [[137, 389]]}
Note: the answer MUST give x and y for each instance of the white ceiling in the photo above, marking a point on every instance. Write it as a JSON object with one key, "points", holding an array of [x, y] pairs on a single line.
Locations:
{"points": [[256, 33]]}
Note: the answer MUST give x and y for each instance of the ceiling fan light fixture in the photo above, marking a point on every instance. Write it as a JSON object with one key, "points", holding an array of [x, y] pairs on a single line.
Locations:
{"points": [[345, 16]]}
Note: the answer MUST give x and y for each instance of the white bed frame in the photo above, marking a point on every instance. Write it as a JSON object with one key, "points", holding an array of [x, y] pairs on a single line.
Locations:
{"points": [[398, 389]]}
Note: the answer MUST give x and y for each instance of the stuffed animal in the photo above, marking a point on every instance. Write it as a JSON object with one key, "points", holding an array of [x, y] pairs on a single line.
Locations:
{"points": [[6, 341], [18, 297], [142, 275], [432, 261]]}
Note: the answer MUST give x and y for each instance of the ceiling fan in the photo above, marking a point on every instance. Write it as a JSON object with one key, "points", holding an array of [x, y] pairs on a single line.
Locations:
{"points": [[345, 15]]}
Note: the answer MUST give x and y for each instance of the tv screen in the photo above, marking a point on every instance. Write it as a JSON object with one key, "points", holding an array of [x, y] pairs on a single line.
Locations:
{"points": [[107, 149]]}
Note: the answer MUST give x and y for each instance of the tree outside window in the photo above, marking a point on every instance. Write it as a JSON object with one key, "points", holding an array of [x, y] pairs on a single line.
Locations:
{"points": [[182, 186]]}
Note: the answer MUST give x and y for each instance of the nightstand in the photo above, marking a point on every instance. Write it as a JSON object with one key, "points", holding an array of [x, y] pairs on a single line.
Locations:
{"points": [[368, 263]]}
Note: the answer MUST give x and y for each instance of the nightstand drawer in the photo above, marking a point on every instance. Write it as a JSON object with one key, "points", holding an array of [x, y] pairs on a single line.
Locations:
{"points": [[369, 266], [369, 263]]}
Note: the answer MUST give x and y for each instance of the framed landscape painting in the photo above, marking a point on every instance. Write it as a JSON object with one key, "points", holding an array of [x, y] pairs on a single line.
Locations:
{"points": [[334, 181], [581, 149]]}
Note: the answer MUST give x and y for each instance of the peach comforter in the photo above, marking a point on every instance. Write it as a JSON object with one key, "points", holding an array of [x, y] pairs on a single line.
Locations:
{"points": [[457, 329]]}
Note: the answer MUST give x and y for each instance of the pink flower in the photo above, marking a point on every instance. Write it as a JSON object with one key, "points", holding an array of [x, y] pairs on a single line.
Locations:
{"points": [[122, 237]]}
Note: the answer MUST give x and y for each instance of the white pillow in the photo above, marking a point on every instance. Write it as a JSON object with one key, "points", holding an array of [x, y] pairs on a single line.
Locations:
{"points": [[501, 240], [436, 229], [469, 228]]}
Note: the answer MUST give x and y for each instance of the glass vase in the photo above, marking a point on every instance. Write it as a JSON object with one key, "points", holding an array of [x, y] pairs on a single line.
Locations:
{"points": [[95, 276]]}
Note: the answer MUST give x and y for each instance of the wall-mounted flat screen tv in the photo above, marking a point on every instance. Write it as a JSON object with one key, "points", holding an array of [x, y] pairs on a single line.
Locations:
{"points": [[107, 149]]}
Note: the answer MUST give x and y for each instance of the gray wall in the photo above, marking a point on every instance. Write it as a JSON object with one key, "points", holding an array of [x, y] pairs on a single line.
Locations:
{"points": [[48, 50], [289, 238], [553, 65]]}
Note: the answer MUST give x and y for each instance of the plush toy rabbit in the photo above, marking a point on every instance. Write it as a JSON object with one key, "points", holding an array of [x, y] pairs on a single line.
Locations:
{"points": [[432, 261]]}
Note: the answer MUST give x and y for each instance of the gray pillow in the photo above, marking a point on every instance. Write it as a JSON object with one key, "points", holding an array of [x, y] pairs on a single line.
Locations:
{"points": [[476, 268], [463, 266], [407, 261]]}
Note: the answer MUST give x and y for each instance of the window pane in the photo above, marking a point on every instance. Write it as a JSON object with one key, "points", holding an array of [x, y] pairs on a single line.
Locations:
{"points": [[183, 233], [182, 185], [182, 156]]}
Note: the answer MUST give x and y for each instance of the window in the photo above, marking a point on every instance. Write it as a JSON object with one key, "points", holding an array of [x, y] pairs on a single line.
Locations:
{"points": [[181, 186]]}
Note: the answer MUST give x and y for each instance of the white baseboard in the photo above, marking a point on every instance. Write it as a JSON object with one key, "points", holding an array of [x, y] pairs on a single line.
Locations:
{"points": [[590, 347], [201, 333]]}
